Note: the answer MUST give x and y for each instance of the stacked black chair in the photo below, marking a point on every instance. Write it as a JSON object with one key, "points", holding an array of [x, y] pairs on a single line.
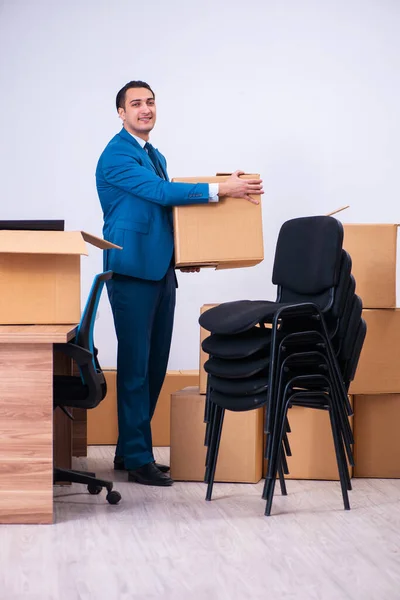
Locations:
{"points": [[301, 349], [85, 390]]}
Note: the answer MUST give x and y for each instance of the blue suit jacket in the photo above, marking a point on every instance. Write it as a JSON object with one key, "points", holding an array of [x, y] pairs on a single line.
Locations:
{"points": [[136, 204]]}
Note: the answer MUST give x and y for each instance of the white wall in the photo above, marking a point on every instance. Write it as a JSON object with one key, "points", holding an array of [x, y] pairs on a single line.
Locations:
{"points": [[303, 91]]}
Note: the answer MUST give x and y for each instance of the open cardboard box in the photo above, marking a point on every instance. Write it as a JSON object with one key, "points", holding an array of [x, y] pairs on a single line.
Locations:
{"points": [[223, 235], [40, 275]]}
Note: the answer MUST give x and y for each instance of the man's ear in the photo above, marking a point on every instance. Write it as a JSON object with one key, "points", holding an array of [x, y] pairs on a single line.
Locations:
{"points": [[121, 113]]}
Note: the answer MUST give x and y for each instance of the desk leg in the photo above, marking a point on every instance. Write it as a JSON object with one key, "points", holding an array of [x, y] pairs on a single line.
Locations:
{"points": [[62, 441], [79, 432], [26, 433], [62, 438]]}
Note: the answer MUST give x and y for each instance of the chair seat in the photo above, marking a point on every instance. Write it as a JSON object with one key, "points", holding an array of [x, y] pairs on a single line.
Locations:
{"points": [[237, 346], [239, 403], [237, 369], [236, 317], [239, 387], [69, 390]]}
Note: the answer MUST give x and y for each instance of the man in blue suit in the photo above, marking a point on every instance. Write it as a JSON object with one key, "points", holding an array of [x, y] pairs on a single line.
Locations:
{"points": [[137, 199]]}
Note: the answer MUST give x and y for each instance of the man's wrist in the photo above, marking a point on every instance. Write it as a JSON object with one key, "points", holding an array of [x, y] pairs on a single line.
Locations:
{"points": [[222, 189]]}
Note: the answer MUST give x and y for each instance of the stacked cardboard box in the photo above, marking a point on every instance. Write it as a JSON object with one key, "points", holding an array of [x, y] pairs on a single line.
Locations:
{"points": [[376, 387], [240, 456]]}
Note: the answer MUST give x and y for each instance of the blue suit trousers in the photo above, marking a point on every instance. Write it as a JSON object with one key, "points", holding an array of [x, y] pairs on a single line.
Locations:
{"points": [[143, 313]]}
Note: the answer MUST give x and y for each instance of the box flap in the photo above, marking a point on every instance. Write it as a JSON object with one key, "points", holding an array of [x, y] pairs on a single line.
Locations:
{"points": [[98, 242], [42, 242]]}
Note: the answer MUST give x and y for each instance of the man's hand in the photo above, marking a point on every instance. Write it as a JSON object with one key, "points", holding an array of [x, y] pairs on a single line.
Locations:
{"points": [[189, 269], [241, 188]]}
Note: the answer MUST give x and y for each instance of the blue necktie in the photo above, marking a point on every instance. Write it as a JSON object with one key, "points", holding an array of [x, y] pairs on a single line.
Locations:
{"points": [[155, 160]]}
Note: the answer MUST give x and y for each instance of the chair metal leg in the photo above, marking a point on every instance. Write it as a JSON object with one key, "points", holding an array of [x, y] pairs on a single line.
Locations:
{"points": [[284, 461], [276, 461], [286, 444], [341, 466], [282, 480], [212, 433], [220, 412]]}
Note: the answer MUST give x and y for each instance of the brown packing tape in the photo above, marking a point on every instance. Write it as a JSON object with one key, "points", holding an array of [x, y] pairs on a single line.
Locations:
{"points": [[229, 174]]}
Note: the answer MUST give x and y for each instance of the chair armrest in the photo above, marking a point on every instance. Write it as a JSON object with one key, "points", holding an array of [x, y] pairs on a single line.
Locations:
{"points": [[79, 354]]}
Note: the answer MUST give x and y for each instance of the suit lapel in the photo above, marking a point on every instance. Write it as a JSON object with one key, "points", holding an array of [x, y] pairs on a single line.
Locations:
{"points": [[141, 151]]}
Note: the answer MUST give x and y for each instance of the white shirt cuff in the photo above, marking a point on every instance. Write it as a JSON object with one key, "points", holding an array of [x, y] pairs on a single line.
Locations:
{"points": [[213, 189]]}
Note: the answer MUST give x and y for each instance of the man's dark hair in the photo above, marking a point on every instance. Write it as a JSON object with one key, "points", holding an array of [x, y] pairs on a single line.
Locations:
{"points": [[120, 100]]}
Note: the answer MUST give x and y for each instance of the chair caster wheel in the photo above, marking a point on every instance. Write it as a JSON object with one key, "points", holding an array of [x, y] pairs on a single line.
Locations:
{"points": [[113, 497], [94, 489]]}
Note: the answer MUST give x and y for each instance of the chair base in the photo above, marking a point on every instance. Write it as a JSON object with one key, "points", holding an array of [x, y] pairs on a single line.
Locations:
{"points": [[94, 485]]}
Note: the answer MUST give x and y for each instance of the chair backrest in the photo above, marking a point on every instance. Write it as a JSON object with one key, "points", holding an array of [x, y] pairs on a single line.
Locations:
{"points": [[350, 334], [90, 390], [343, 321], [341, 296], [84, 336], [343, 287], [350, 367], [307, 260]]}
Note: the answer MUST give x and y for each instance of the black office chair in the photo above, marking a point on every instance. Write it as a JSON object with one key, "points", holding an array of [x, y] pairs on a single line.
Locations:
{"points": [[85, 390]]}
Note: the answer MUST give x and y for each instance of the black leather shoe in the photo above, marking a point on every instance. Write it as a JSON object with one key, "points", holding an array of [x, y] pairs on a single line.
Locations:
{"points": [[162, 468], [149, 475], [119, 465]]}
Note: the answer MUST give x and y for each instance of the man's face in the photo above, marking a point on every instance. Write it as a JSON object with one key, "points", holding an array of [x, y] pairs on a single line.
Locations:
{"points": [[139, 114]]}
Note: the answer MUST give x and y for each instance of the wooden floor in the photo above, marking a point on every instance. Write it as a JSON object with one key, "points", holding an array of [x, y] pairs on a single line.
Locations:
{"points": [[170, 544]]}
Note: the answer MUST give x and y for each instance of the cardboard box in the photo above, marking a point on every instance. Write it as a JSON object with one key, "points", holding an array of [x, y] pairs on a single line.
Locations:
{"points": [[102, 421], [225, 235], [203, 355], [311, 442], [373, 252], [376, 436], [40, 275], [378, 369], [161, 421], [240, 454]]}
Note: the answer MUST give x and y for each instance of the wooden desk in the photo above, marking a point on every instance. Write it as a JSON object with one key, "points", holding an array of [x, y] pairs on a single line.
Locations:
{"points": [[26, 420]]}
